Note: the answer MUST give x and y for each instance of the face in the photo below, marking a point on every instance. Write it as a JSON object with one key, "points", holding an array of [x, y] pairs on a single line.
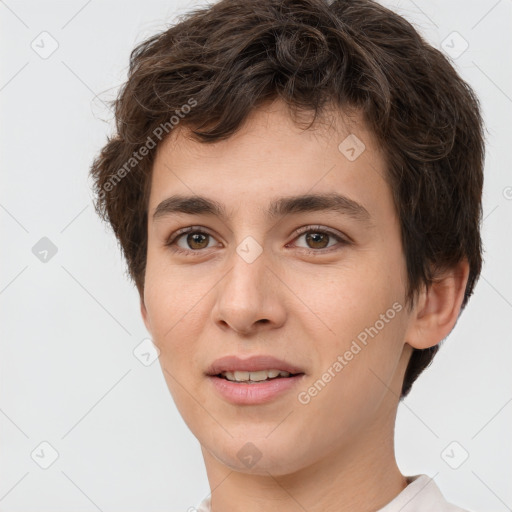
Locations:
{"points": [[255, 276]]}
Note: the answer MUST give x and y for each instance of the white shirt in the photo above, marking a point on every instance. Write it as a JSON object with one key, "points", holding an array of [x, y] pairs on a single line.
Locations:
{"points": [[421, 495]]}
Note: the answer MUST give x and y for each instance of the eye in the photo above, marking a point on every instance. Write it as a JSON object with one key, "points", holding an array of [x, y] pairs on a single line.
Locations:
{"points": [[190, 239], [317, 239]]}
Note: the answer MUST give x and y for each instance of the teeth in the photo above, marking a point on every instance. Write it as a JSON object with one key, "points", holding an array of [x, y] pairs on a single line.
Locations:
{"points": [[258, 376], [240, 376]]}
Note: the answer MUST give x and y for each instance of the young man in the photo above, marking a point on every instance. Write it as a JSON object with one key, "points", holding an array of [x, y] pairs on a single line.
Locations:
{"points": [[296, 187]]}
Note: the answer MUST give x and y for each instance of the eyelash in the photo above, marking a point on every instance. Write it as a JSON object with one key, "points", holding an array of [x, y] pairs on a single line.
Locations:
{"points": [[301, 231]]}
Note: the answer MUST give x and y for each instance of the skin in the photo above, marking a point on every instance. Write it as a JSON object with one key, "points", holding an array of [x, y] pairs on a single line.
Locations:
{"points": [[335, 453]]}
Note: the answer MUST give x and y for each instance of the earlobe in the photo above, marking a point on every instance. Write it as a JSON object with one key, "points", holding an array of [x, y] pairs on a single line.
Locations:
{"points": [[438, 307]]}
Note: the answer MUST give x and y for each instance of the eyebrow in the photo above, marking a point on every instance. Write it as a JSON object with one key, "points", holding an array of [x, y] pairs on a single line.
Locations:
{"points": [[200, 205]]}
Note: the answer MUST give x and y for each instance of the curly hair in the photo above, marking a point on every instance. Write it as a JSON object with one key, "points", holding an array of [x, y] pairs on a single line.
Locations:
{"points": [[216, 64]]}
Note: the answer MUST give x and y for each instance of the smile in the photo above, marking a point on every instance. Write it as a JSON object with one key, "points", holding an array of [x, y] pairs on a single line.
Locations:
{"points": [[252, 377]]}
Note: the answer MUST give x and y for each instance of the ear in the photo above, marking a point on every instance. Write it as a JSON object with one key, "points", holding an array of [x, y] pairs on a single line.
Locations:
{"points": [[437, 309]]}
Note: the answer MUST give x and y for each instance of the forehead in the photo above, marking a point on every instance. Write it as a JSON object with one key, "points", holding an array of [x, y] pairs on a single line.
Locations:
{"points": [[271, 155]]}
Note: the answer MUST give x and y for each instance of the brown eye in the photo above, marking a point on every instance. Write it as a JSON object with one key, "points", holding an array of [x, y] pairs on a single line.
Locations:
{"points": [[317, 240], [191, 241], [197, 240]]}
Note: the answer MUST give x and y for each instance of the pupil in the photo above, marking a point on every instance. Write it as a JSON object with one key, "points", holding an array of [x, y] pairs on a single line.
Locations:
{"points": [[316, 238], [194, 238]]}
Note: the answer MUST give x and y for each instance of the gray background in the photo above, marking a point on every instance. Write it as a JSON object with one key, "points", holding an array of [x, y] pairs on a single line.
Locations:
{"points": [[69, 325]]}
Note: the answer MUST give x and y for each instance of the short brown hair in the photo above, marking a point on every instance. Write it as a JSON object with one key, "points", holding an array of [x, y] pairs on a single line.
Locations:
{"points": [[224, 60]]}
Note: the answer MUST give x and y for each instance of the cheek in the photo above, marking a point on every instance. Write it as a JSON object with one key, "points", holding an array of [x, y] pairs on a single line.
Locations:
{"points": [[344, 299], [354, 372], [174, 310], [360, 318], [176, 321]]}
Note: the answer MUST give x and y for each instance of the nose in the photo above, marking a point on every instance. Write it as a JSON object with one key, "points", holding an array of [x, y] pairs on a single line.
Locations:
{"points": [[249, 297]]}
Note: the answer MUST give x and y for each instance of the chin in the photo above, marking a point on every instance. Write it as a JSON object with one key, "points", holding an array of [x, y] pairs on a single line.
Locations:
{"points": [[278, 455]]}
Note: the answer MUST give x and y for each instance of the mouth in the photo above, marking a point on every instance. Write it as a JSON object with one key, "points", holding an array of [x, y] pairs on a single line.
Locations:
{"points": [[255, 368], [252, 381], [245, 377]]}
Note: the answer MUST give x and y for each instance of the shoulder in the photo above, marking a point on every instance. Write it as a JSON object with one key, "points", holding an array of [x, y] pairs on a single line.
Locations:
{"points": [[204, 506], [421, 495]]}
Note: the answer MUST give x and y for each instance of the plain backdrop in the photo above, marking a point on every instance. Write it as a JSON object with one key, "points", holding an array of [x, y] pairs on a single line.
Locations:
{"points": [[73, 395]]}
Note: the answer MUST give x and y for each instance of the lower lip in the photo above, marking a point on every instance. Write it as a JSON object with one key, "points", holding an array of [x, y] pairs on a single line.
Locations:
{"points": [[253, 394]]}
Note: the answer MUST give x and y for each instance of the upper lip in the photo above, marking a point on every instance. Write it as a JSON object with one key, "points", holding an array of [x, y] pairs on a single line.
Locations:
{"points": [[250, 364]]}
